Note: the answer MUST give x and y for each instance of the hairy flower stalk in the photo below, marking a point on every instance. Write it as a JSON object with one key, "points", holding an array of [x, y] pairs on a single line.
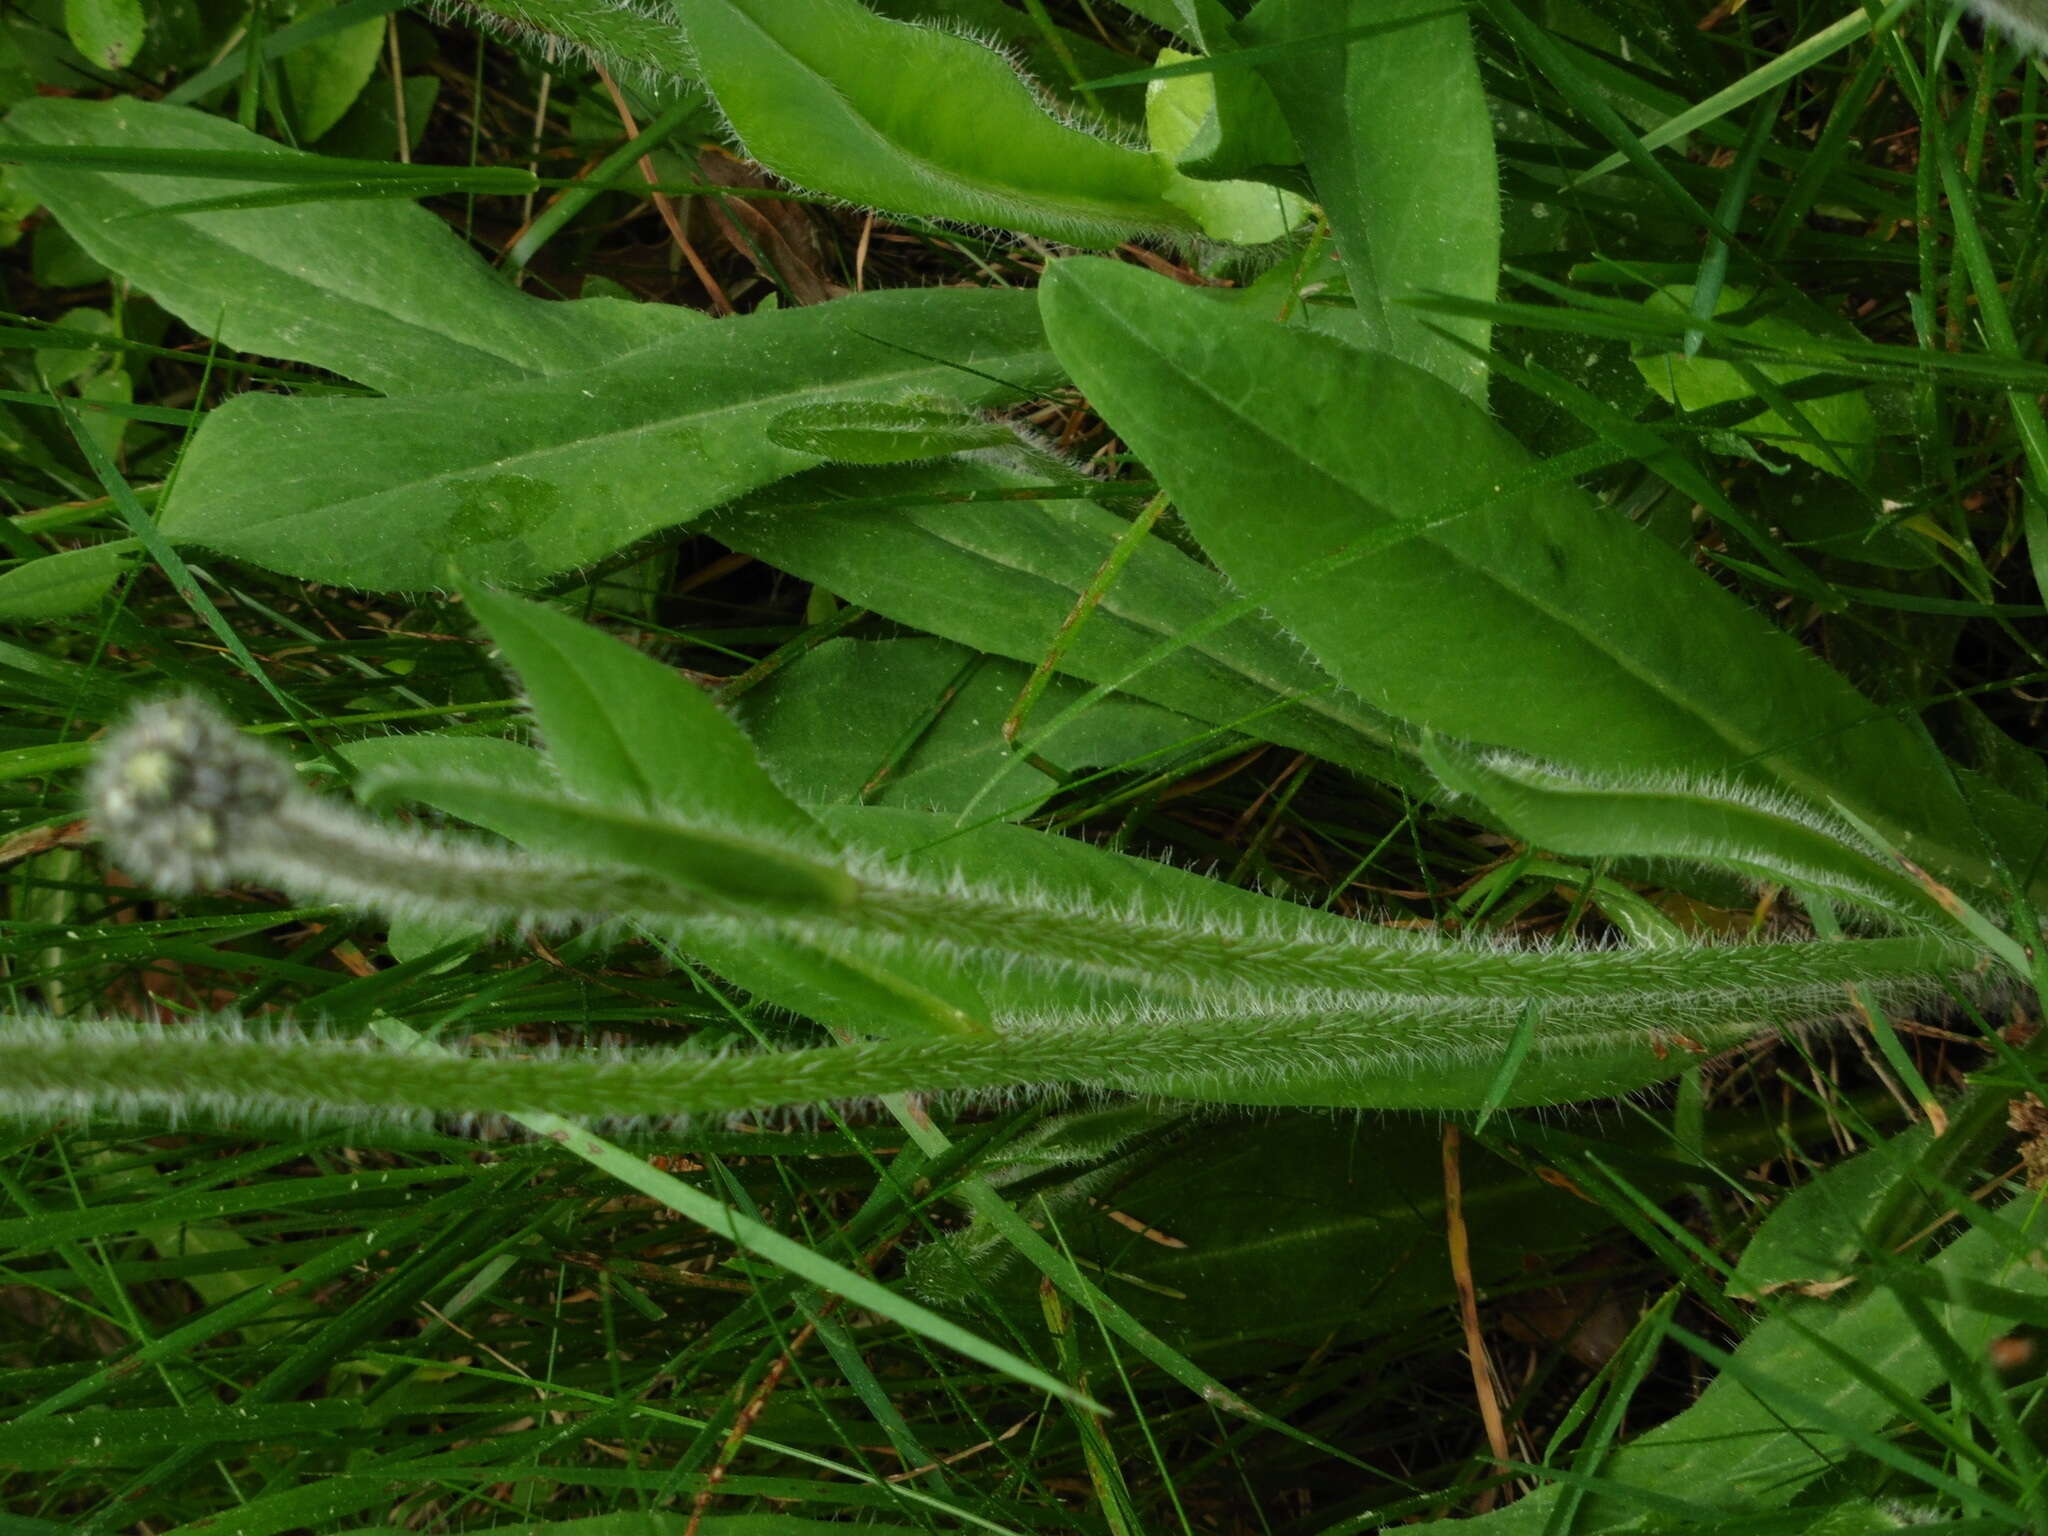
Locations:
{"points": [[636, 44], [188, 803], [1276, 965], [214, 1069], [185, 801]]}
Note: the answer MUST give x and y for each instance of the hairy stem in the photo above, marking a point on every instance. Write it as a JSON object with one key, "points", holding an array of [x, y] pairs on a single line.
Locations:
{"points": [[186, 801], [637, 44], [214, 1069], [1274, 964]]}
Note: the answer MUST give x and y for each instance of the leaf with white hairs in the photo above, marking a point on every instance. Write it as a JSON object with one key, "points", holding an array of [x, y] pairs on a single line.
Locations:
{"points": [[1695, 820]]}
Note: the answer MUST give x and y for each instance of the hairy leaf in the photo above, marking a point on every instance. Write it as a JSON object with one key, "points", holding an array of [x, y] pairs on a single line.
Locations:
{"points": [[1003, 576], [909, 118], [1680, 818], [1454, 585], [377, 290], [511, 482]]}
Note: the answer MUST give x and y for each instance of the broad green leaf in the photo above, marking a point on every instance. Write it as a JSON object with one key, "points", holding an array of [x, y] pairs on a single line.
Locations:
{"points": [[910, 118], [1238, 1211], [1177, 113], [1845, 424], [380, 291], [1002, 576], [108, 32], [1433, 568], [1813, 1240], [1692, 820], [1238, 128], [915, 120], [510, 482], [1394, 130], [882, 432], [622, 729], [917, 723], [68, 582], [325, 77]]}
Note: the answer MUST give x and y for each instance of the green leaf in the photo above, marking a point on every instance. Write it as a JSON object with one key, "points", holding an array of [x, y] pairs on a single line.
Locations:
{"points": [[1180, 116], [1731, 1453], [647, 43], [1683, 818], [917, 723], [512, 482], [1846, 425], [1814, 1238], [917, 546], [915, 120], [1395, 133], [1299, 1205], [1239, 129], [870, 992], [68, 582], [107, 32], [906, 117], [1435, 569], [879, 432], [324, 78], [624, 730], [379, 291]]}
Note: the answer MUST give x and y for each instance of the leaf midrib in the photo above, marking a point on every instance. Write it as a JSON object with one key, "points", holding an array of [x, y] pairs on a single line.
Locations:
{"points": [[1748, 749], [328, 509]]}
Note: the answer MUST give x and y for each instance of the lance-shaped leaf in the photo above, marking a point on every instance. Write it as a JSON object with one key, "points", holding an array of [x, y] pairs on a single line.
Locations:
{"points": [[883, 432], [512, 481], [378, 290], [902, 116], [1393, 127], [965, 551], [1695, 820], [727, 866], [624, 730], [913, 119], [1443, 575], [513, 792]]}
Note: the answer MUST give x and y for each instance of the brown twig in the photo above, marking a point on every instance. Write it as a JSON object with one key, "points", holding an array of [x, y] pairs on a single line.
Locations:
{"points": [[1483, 1384], [663, 203]]}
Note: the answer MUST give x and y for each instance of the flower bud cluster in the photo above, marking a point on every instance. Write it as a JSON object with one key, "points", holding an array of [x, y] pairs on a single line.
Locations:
{"points": [[178, 789]]}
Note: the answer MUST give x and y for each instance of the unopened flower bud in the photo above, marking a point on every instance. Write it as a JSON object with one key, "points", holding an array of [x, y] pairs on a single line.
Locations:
{"points": [[177, 789]]}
